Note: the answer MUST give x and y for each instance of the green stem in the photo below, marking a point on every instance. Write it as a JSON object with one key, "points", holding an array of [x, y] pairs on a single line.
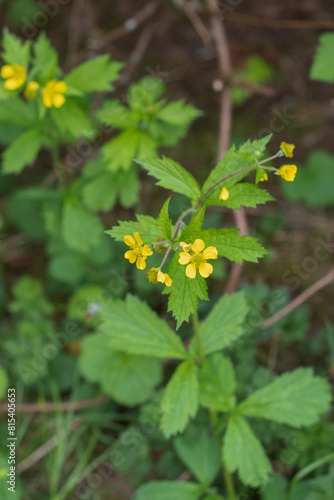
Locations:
{"points": [[198, 337], [229, 483]]}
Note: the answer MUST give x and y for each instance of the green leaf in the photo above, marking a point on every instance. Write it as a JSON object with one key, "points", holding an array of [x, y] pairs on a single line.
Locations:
{"points": [[146, 226], [164, 222], [120, 151], [185, 292], [193, 229], [223, 325], [233, 246], [275, 489], [81, 229], [297, 398], [243, 452], [178, 113], [322, 67], [134, 328], [217, 383], [168, 490], [15, 110], [145, 93], [72, 121], [200, 452], [22, 152], [172, 176], [95, 75], [242, 194], [129, 186], [100, 193], [128, 379], [45, 60], [67, 268], [255, 149], [180, 400], [15, 52], [4, 382], [114, 114]]}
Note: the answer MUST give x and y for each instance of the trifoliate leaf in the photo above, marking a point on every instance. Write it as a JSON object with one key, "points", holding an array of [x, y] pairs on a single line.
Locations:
{"points": [[45, 60], [217, 383], [128, 379], [178, 113], [133, 327], [200, 452], [164, 222], [297, 398], [81, 229], [223, 325], [15, 52], [322, 67], [95, 75], [168, 490], [147, 227], [171, 175], [243, 452], [180, 400], [185, 292], [22, 152], [233, 246], [242, 194]]}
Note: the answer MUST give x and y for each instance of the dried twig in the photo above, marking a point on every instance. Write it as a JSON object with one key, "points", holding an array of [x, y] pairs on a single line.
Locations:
{"points": [[290, 24], [203, 33]]}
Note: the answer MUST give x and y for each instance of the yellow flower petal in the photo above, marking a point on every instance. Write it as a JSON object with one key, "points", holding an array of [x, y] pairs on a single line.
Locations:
{"points": [[161, 277], [129, 240], [224, 194], [131, 256], [47, 100], [191, 271], [138, 238], [205, 269], [198, 246], [210, 253], [146, 251], [11, 84], [141, 264], [31, 90], [184, 258], [58, 100], [168, 280], [265, 177], [288, 172], [185, 246], [287, 149], [60, 87], [7, 71]]}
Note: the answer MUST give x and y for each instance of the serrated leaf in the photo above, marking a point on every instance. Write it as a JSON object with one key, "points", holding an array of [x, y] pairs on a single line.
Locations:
{"points": [[322, 67], [45, 60], [297, 399], [217, 383], [133, 327], [115, 114], [100, 193], [233, 246], [180, 400], [171, 175], [242, 194], [168, 490], [193, 229], [15, 110], [178, 113], [81, 229], [200, 452], [164, 222], [71, 120], [185, 292], [128, 379], [223, 326], [15, 52], [95, 75], [243, 452], [121, 150], [129, 187], [146, 226], [145, 93], [22, 152], [255, 149]]}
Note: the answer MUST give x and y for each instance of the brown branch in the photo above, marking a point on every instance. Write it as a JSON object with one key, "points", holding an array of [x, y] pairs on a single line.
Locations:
{"points": [[318, 285], [64, 405], [196, 21], [290, 24]]}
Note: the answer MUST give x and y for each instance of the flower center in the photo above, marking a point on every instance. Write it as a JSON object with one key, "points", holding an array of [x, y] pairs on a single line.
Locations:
{"points": [[197, 260]]}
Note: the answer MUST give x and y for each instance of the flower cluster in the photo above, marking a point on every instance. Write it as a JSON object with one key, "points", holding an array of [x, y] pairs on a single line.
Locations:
{"points": [[52, 94], [198, 258]]}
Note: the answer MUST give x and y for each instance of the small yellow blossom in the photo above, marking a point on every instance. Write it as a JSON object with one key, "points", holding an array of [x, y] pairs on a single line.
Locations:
{"points": [[185, 246], [138, 253], [154, 275], [14, 75], [224, 194], [31, 90], [287, 149], [53, 94], [264, 178], [197, 260], [288, 172]]}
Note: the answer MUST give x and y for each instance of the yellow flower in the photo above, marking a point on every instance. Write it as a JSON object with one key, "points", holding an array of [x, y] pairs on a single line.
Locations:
{"points": [[53, 94], [224, 194], [154, 275], [14, 75], [198, 259], [288, 172], [264, 178], [287, 149], [31, 90], [137, 252], [185, 246]]}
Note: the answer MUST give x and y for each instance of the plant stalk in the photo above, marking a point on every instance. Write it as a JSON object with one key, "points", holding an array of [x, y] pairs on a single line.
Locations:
{"points": [[198, 338]]}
